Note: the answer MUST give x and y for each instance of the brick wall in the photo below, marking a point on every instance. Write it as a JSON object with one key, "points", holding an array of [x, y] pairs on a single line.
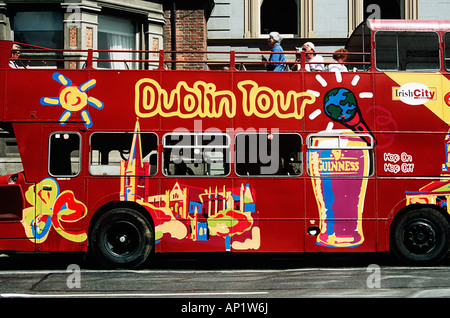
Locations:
{"points": [[190, 36]]}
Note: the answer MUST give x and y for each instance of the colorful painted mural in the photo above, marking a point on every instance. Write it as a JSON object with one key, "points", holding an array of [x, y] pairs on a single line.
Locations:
{"points": [[73, 99], [195, 214], [191, 213], [341, 105], [426, 89], [422, 89], [435, 192], [339, 163], [51, 208], [339, 179]]}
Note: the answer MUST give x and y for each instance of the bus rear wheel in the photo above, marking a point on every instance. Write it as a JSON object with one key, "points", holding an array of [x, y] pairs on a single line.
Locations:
{"points": [[420, 237], [122, 238]]}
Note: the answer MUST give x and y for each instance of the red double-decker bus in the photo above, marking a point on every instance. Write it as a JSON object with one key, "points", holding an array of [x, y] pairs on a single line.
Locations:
{"points": [[128, 162]]}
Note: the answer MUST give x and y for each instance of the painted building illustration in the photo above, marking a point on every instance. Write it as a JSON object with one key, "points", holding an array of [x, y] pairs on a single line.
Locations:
{"points": [[132, 187], [435, 192], [190, 213]]}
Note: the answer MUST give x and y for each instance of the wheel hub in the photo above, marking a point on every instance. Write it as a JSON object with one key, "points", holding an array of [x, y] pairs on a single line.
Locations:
{"points": [[122, 239], [420, 237]]}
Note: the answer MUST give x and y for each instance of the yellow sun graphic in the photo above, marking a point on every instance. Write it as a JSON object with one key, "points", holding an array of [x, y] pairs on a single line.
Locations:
{"points": [[73, 99]]}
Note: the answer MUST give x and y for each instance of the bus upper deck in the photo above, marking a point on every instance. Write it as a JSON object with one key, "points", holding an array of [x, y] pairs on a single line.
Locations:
{"points": [[385, 44]]}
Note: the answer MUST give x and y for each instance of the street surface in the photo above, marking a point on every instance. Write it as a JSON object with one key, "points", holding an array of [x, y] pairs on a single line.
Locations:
{"points": [[222, 276], [223, 285]]}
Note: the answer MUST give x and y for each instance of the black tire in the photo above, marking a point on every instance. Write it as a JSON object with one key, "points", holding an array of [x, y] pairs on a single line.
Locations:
{"points": [[420, 237], [122, 238]]}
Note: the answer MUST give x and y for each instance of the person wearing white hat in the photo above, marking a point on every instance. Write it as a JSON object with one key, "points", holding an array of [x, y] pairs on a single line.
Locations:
{"points": [[15, 54], [274, 43], [315, 62]]}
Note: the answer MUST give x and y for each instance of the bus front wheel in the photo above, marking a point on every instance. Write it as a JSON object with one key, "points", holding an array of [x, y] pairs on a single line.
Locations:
{"points": [[122, 238], [420, 237]]}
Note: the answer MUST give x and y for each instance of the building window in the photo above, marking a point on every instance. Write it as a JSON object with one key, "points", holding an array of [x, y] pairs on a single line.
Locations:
{"points": [[279, 16], [388, 9], [383, 9], [39, 28], [291, 17], [119, 34]]}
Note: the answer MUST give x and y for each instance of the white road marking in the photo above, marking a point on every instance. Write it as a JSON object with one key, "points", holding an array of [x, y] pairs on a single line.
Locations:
{"points": [[81, 295]]}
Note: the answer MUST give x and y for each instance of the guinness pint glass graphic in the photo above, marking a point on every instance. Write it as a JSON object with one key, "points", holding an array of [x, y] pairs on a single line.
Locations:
{"points": [[339, 164]]}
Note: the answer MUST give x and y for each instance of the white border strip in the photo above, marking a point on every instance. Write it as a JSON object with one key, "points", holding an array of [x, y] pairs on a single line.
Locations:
{"points": [[100, 295]]}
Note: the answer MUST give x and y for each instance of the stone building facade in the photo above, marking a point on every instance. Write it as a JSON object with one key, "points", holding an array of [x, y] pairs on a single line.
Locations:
{"points": [[122, 25]]}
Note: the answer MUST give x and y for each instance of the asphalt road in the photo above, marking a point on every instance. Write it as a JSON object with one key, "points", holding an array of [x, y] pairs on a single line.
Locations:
{"points": [[274, 285], [222, 276]]}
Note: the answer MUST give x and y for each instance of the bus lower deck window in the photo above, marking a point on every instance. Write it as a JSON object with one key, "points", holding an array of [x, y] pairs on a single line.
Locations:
{"points": [[64, 154], [278, 154], [123, 153], [200, 154]]}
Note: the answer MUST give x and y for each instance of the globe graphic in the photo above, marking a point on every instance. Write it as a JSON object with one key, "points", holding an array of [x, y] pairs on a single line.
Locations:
{"points": [[340, 104]]}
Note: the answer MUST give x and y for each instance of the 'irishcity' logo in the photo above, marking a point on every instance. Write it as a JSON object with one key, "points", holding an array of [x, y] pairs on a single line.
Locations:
{"points": [[414, 93]]}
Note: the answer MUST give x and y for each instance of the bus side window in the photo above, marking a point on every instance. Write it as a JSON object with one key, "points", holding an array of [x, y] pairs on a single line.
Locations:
{"points": [[447, 50], [340, 155], [11, 204], [199, 154], [110, 153], [407, 51], [259, 154], [64, 154]]}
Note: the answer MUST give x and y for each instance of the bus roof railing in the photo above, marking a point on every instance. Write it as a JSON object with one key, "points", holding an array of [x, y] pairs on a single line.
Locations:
{"points": [[88, 57]]}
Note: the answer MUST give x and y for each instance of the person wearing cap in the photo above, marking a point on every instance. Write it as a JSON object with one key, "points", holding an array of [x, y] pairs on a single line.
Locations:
{"points": [[274, 43], [315, 62]]}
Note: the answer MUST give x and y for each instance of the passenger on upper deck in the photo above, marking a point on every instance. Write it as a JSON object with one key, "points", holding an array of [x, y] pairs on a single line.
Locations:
{"points": [[339, 58], [312, 57], [14, 55], [274, 43]]}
